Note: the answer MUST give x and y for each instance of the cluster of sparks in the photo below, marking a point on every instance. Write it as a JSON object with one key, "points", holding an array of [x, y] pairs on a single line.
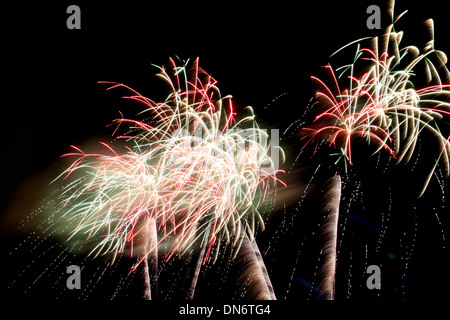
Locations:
{"points": [[193, 171], [383, 106]]}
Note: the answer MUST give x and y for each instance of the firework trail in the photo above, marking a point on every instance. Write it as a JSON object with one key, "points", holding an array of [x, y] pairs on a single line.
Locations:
{"points": [[384, 103], [193, 174], [152, 262], [265, 274], [254, 278], [198, 266], [330, 209]]}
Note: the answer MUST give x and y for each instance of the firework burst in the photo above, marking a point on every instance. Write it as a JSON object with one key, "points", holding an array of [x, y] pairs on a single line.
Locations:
{"points": [[193, 172], [384, 105]]}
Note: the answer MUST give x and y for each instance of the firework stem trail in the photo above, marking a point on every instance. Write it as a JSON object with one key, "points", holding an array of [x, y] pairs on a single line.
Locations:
{"points": [[263, 269], [198, 266], [331, 198], [147, 285], [254, 277], [151, 260]]}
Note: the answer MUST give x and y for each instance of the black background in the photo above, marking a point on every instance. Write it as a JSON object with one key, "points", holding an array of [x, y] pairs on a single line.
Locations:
{"points": [[263, 54]]}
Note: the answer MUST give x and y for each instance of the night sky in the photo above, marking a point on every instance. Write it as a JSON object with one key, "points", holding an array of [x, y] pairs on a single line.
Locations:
{"points": [[263, 55]]}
